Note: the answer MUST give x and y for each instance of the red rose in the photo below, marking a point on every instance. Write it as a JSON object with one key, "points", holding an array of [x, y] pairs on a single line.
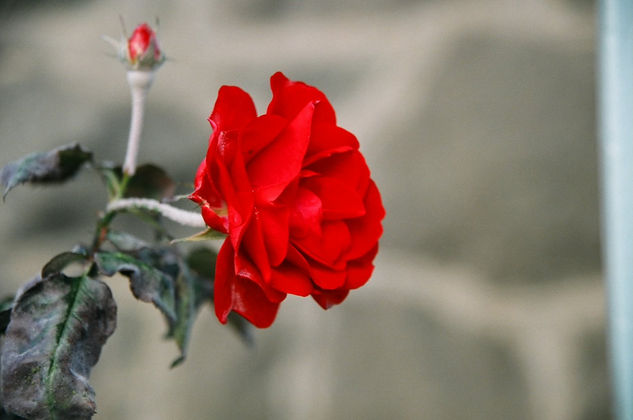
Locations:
{"points": [[142, 48], [293, 193]]}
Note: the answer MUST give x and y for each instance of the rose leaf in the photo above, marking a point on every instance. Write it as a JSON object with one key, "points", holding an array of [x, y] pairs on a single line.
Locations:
{"points": [[147, 283], [58, 326], [6, 304], [61, 261], [202, 261], [4, 415], [150, 181], [191, 292], [125, 242], [57, 165]]}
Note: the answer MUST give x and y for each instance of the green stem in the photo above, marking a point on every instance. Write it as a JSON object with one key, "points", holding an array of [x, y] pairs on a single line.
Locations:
{"points": [[103, 224]]}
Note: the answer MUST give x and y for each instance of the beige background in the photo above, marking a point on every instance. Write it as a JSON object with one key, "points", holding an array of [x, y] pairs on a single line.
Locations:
{"points": [[477, 119]]}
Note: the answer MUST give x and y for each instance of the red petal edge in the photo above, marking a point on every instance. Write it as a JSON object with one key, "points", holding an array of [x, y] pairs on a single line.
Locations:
{"points": [[234, 293]]}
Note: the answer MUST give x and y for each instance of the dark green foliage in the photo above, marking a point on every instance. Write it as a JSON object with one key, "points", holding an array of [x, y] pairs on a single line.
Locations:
{"points": [[192, 292], [125, 242], [58, 326], [4, 415], [147, 283], [6, 304], [44, 168], [61, 261], [202, 262], [150, 181], [161, 276], [53, 331]]}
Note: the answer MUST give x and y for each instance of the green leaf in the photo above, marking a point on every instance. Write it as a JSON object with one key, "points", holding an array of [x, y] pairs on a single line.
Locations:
{"points": [[202, 261], [191, 294], [125, 242], [148, 283], [44, 168], [4, 415], [111, 175], [58, 263], [165, 279], [150, 181], [6, 304], [162, 258], [195, 288], [58, 327]]}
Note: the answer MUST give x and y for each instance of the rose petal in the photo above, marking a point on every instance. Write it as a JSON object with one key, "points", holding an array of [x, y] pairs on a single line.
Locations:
{"points": [[328, 298], [290, 279], [328, 139], [246, 269], [259, 133], [359, 270], [253, 246], [204, 190], [223, 284], [290, 97], [366, 230], [326, 278], [213, 220], [234, 293], [226, 145], [209, 199], [306, 215], [243, 200], [348, 167], [275, 230], [273, 168], [327, 248], [225, 165], [296, 258], [338, 200], [239, 203], [233, 109]]}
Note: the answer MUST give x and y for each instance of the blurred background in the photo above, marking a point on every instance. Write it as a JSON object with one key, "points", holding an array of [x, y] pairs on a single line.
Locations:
{"points": [[477, 120]]}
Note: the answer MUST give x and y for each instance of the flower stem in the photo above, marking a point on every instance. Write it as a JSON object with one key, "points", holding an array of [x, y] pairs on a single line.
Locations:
{"points": [[183, 217], [140, 82]]}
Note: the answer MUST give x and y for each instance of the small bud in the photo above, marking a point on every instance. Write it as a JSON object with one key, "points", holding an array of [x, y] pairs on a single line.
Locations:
{"points": [[142, 56], [143, 52], [140, 51]]}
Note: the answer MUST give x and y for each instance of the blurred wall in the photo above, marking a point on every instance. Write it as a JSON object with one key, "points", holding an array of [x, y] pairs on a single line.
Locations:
{"points": [[477, 119]]}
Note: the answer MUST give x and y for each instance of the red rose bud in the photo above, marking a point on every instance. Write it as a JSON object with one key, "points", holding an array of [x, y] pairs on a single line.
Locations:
{"points": [[294, 194], [143, 52]]}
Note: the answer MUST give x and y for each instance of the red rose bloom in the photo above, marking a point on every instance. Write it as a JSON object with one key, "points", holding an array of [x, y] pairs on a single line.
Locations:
{"points": [[293, 193]]}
